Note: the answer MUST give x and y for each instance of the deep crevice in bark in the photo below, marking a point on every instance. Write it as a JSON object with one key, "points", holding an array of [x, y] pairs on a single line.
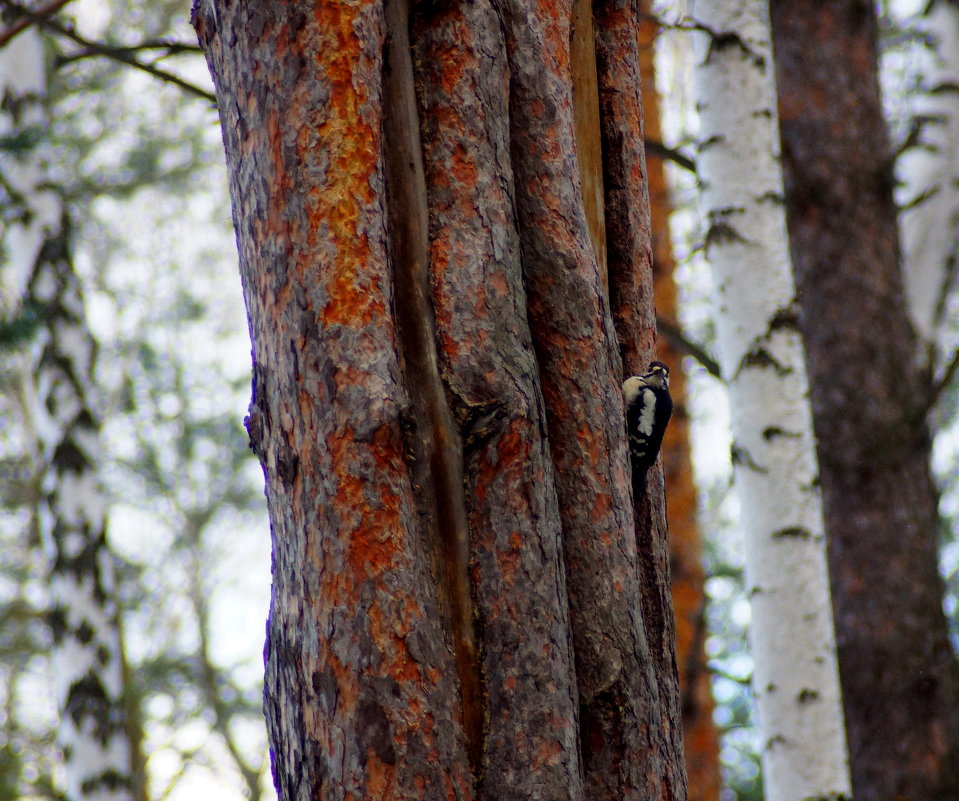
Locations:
{"points": [[437, 463]]}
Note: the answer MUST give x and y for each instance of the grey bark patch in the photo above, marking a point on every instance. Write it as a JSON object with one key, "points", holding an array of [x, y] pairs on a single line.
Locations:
{"points": [[326, 689]]}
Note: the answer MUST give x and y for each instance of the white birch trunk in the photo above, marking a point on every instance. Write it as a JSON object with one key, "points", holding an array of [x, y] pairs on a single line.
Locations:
{"points": [[28, 210], [795, 678], [928, 173], [86, 658]]}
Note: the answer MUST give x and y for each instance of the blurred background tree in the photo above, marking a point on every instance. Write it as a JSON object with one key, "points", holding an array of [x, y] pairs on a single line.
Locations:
{"points": [[136, 157]]}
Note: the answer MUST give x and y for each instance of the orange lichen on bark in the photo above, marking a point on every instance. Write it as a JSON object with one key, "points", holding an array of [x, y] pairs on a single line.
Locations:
{"points": [[602, 506], [557, 49], [511, 445], [548, 752], [510, 559], [509, 562], [380, 777], [340, 201], [463, 168], [374, 545], [372, 548], [347, 696], [390, 634], [359, 682]]}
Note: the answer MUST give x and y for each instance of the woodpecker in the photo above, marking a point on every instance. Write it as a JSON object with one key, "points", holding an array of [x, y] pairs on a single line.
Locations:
{"points": [[648, 408]]}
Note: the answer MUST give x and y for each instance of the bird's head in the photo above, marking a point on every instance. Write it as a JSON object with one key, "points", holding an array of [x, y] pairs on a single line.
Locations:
{"points": [[657, 375]]}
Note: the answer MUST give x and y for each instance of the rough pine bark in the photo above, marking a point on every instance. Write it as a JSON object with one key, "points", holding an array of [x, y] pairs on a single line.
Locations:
{"points": [[361, 680], [485, 347], [437, 409], [870, 404], [98, 742], [795, 678], [628, 719]]}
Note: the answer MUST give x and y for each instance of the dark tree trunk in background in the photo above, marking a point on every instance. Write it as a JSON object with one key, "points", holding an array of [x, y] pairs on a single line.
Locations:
{"points": [[459, 603], [869, 403]]}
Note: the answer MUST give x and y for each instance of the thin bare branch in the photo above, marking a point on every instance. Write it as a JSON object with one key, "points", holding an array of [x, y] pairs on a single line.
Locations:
{"points": [[671, 330], [121, 54], [654, 148], [168, 48], [26, 20], [944, 380]]}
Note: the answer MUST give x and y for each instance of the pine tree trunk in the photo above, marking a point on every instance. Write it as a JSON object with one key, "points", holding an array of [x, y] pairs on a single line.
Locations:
{"points": [[437, 409], [795, 678], [99, 744], [869, 406]]}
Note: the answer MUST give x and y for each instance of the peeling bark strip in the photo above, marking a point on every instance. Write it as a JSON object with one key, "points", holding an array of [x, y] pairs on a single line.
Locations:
{"points": [[438, 466], [531, 742], [899, 673], [589, 150], [362, 697]]}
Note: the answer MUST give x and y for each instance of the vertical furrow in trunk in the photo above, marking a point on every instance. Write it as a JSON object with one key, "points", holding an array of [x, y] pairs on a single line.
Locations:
{"points": [[362, 697], [589, 147], [498, 377], [437, 445], [485, 350], [581, 373]]}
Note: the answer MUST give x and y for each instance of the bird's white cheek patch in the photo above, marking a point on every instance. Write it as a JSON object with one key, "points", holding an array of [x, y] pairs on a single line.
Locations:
{"points": [[648, 413]]}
